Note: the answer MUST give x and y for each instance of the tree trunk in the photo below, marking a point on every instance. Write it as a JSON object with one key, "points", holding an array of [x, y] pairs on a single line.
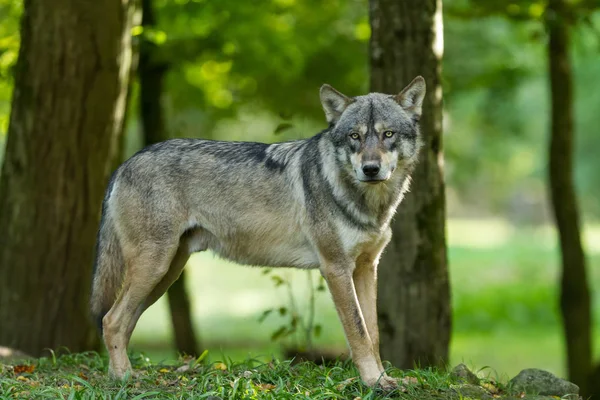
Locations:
{"points": [[67, 115], [151, 77], [414, 294], [575, 295]]}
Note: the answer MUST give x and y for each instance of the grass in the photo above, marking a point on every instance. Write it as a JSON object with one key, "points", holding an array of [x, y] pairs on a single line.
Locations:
{"points": [[83, 376]]}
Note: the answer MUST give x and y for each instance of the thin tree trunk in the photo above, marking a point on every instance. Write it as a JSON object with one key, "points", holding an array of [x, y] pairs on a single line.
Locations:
{"points": [[414, 294], [66, 118], [151, 77], [575, 295]]}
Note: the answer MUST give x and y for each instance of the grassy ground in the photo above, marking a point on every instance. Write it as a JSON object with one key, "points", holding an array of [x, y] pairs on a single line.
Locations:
{"points": [[82, 376], [504, 300], [505, 319]]}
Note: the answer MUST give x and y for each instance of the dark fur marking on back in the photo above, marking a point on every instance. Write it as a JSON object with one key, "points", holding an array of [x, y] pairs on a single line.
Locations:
{"points": [[273, 165]]}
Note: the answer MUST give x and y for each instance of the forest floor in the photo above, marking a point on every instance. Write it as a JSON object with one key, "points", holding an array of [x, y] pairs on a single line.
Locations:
{"points": [[83, 376]]}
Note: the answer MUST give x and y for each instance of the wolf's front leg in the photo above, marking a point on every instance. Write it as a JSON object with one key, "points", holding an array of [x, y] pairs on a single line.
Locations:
{"points": [[341, 286], [365, 282]]}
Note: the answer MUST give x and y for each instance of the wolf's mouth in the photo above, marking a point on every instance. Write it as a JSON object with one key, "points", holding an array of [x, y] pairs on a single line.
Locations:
{"points": [[374, 181]]}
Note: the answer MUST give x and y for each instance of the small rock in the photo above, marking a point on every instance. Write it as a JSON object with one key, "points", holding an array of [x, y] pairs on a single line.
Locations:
{"points": [[542, 382], [462, 373], [183, 368], [10, 355]]}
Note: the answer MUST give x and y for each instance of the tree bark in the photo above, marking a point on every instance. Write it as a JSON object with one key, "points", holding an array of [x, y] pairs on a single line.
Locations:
{"points": [[151, 78], [574, 295], [414, 294], [67, 115]]}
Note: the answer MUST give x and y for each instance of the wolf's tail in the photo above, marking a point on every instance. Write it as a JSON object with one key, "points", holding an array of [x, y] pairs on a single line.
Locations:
{"points": [[108, 269]]}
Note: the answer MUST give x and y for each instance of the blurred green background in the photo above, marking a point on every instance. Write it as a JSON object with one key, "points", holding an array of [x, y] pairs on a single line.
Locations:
{"points": [[251, 71]]}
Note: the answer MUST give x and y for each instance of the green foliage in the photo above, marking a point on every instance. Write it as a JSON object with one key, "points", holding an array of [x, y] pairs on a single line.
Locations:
{"points": [[298, 325], [10, 10], [226, 53]]}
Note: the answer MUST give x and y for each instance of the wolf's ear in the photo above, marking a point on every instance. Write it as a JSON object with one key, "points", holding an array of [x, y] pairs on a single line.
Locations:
{"points": [[334, 103], [411, 97]]}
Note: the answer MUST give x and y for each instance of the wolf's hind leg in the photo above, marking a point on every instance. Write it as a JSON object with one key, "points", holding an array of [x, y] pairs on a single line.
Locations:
{"points": [[175, 270], [146, 267]]}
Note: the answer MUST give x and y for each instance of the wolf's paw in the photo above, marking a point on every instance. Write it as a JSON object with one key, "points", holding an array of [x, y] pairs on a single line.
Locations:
{"points": [[122, 374], [383, 382], [387, 383]]}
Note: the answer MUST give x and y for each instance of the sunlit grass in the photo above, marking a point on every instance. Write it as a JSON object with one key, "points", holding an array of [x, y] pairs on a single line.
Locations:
{"points": [[83, 376]]}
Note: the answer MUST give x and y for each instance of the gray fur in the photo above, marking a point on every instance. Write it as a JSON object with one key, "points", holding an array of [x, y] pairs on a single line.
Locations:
{"points": [[303, 204]]}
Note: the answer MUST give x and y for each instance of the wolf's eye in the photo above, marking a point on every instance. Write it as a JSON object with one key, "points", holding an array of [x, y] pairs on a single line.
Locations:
{"points": [[355, 136], [388, 134]]}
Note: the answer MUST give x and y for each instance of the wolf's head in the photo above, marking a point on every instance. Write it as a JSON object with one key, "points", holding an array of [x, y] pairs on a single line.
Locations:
{"points": [[376, 133]]}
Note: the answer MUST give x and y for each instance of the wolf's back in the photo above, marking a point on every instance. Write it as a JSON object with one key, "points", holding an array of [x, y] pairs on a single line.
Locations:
{"points": [[108, 264]]}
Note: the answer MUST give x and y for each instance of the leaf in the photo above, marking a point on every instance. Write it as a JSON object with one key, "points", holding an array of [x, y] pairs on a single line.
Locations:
{"points": [[490, 388], [163, 370], [342, 385], [144, 395], [282, 127], [202, 357], [265, 386], [317, 329], [279, 333], [265, 314], [278, 280], [220, 366], [22, 369], [285, 115], [409, 380]]}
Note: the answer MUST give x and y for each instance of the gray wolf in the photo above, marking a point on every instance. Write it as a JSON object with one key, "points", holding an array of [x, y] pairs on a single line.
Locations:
{"points": [[325, 202]]}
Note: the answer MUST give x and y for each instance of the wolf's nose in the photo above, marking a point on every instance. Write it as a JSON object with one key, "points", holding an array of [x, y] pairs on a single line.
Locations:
{"points": [[370, 170]]}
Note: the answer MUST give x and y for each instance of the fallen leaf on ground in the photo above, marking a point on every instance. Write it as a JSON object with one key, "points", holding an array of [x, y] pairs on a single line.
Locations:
{"points": [[161, 381], [22, 379], [163, 370], [490, 388], [409, 380], [265, 386], [20, 369], [220, 366], [345, 383]]}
